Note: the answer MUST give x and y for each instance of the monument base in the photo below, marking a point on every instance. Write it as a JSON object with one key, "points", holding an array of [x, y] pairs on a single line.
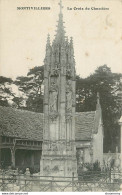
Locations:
{"points": [[58, 167], [58, 172]]}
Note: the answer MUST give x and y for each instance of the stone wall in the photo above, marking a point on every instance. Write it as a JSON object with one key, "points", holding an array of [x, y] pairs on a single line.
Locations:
{"points": [[98, 145], [109, 159], [83, 152]]}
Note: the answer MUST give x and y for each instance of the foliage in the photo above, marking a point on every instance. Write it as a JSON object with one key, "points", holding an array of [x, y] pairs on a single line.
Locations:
{"points": [[55, 168], [90, 171], [102, 80], [87, 167], [5, 90], [108, 85], [31, 87]]}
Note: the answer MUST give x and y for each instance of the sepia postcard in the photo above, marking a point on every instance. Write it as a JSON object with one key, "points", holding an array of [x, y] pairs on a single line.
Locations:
{"points": [[61, 96]]}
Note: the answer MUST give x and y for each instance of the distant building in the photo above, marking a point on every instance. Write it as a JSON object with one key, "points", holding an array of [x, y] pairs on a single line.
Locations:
{"points": [[21, 137], [89, 136]]}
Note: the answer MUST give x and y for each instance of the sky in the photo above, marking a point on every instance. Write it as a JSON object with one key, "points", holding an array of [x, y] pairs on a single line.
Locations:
{"points": [[96, 34]]}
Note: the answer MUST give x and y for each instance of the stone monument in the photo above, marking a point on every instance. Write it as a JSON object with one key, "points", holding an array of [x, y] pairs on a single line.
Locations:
{"points": [[59, 149]]}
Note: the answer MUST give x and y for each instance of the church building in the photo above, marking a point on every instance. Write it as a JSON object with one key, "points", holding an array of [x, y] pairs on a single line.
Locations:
{"points": [[21, 137]]}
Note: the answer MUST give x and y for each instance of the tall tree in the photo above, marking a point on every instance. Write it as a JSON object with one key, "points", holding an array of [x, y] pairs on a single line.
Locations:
{"points": [[106, 83], [103, 81], [5, 90], [32, 88]]}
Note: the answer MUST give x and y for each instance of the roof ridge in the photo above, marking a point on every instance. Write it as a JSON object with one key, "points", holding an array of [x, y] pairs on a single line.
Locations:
{"points": [[21, 110]]}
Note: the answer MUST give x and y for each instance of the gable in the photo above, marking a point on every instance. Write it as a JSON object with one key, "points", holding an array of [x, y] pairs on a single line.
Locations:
{"points": [[85, 122]]}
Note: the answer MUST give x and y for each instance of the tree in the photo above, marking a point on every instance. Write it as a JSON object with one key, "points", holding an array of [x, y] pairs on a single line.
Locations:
{"points": [[106, 83], [103, 81], [5, 90], [8, 96], [32, 88]]}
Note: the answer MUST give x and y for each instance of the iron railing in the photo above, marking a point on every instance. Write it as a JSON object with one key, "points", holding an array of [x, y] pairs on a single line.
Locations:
{"points": [[92, 181]]}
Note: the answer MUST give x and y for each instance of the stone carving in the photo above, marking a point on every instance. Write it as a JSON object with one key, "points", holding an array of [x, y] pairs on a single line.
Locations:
{"points": [[62, 146], [73, 100], [57, 64], [55, 71], [53, 101], [54, 146], [53, 115], [55, 168], [68, 116], [53, 87], [68, 86], [59, 88], [69, 169], [68, 147], [68, 72], [47, 168], [68, 100]]}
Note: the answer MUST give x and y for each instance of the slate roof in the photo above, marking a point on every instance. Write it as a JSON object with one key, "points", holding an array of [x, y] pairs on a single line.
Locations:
{"points": [[29, 125], [21, 124], [85, 123]]}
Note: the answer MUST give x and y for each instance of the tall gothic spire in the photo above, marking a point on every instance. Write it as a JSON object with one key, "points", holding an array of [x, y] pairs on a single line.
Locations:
{"points": [[60, 35], [59, 106]]}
